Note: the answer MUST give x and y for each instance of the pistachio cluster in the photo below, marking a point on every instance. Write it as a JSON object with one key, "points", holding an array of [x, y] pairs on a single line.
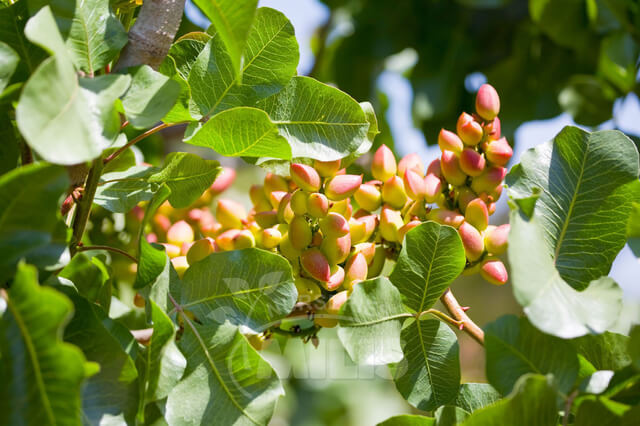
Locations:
{"points": [[337, 230]]}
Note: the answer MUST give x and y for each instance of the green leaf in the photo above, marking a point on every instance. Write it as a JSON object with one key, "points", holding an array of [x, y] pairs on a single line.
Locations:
{"points": [[41, 375], [248, 287], [90, 277], [449, 415], [119, 192], [232, 20], [319, 121], [599, 411], [370, 323], [606, 351], [532, 402], [8, 62], [225, 382], [409, 420], [618, 55], [551, 304], [187, 176], [12, 22], [633, 347], [95, 35], [563, 21], [163, 363], [150, 97], [587, 182], [30, 226], [514, 348], [9, 148], [42, 30], [113, 392], [588, 99], [429, 375], [242, 132], [473, 396], [633, 229], [432, 256]]}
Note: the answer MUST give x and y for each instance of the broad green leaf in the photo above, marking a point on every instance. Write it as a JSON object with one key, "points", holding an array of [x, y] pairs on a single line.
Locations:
{"points": [[432, 256], [409, 420], [242, 132], [450, 415], [30, 226], [588, 99], [42, 30], [248, 287], [319, 121], [90, 277], [12, 22], [633, 347], [95, 35], [473, 396], [9, 148], [8, 62], [119, 192], [606, 351], [187, 176], [532, 402], [633, 229], [225, 382], [163, 364], [587, 182], [618, 56], [370, 323], [41, 375], [232, 20], [551, 304], [150, 97], [514, 348], [112, 393], [599, 411], [429, 375]]}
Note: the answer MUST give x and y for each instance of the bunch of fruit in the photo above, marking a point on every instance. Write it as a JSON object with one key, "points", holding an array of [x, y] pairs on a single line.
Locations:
{"points": [[337, 230]]}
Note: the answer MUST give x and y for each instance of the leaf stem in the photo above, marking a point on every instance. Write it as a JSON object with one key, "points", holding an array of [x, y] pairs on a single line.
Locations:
{"points": [[140, 137], [567, 407], [83, 208], [457, 312], [108, 248]]}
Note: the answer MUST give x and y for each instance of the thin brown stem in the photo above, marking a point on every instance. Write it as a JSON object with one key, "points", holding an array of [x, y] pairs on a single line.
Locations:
{"points": [[139, 138], [83, 208], [567, 407], [108, 248], [442, 317], [458, 312]]}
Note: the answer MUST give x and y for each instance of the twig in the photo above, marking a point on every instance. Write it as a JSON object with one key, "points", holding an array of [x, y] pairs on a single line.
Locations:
{"points": [[139, 138], [567, 407], [458, 312], [108, 248], [443, 317], [25, 153], [83, 208]]}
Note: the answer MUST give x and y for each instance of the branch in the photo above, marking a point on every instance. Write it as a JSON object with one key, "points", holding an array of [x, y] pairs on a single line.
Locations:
{"points": [[456, 311], [83, 208], [108, 248], [139, 138], [152, 34]]}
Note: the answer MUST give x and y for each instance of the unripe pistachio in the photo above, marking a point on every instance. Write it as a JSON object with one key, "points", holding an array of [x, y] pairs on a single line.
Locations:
{"points": [[449, 141], [435, 168], [184, 248], [377, 264], [465, 195], [414, 185], [411, 162], [492, 208], [390, 223], [138, 300], [299, 202], [469, 130], [315, 264], [225, 239], [328, 316], [171, 250], [305, 177], [151, 237], [451, 170], [180, 232], [223, 181], [472, 162], [275, 198], [472, 241], [327, 168], [194, 215], [496, 239], [414, 210], [499, 152], [383, 165], [201, 249], [317, 238], [270, 238], [489, 180], [342, 207], [287, 250], [433, 187], [336, 279], [406, 228], [368, 250], [161, 223], [317, 205], [308, 291], [230, 214], [494, 271], [477, 214], [334, 225], [335, 249], [487, 102], [357, 230], [267, 219], [355, 270], [274, 182], [472, 270], [180, 264], [446, 217], [341, 187], [493, 129], [393, 192], [285, 213], [368, 197], [371, 222], [299, 232], [211, 229]]}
